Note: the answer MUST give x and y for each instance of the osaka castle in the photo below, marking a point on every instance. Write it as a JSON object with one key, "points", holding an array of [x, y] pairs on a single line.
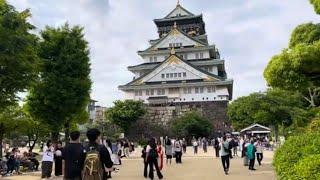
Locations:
{"points": [[181, 66]]}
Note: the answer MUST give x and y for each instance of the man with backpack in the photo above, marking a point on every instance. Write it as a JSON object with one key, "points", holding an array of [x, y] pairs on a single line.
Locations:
{"points": [[73, 156], [97, 162], [224, 153]]}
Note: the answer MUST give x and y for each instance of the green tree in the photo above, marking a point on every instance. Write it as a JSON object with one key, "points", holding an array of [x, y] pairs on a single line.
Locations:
{"points": [[18, 57], [191, 124], [305, 33], [273, 107], [107, 128], [10, 119], [316, 4], [297, 69], [62, 93], [125, 113]]}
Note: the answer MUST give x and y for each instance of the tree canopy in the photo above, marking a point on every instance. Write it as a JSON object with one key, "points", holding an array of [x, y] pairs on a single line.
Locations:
{"points": [[125, 113], [273, 107], [191, 124], [63, 89], [316, 4], [18, 57], [307, 33], [297, 69]]}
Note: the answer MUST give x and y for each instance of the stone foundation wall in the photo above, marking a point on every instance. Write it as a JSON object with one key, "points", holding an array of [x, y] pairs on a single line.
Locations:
{"points": [[156, 122]]}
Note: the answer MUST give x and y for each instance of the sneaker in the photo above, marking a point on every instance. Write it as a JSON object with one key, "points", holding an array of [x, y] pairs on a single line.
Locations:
{"points": [[253, 169]]}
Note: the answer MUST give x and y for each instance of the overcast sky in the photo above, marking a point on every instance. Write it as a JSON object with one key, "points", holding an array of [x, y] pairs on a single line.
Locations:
{"points": [[247, 33]]}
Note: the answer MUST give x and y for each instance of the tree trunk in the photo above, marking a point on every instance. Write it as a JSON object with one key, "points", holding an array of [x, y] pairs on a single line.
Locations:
{"points": [[55, 137], [1, 138], [67, 132], [276, 132]]}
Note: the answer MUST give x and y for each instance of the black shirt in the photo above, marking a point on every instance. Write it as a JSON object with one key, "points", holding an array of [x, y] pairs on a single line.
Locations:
{"points": [[74, 155], [104, 154]]}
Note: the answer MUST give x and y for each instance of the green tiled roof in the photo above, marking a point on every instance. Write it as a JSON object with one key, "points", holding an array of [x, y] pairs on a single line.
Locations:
{"points": [[204, 62], [177, 18], [179, 6], [178, 50], [194, 39], [195, 67]]}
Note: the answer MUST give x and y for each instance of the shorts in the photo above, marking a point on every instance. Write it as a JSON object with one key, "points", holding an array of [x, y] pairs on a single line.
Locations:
{"points": [[169, 156]]}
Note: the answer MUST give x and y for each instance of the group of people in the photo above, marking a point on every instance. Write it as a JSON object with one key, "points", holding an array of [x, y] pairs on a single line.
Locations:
{"points": [[153, 155], [200, 143], [12, 160], [94, 159], [251, 148]]}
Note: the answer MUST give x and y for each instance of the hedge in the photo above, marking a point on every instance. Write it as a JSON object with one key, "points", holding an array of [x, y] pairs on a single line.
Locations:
{"points": [[309, 167], [294, 154]]}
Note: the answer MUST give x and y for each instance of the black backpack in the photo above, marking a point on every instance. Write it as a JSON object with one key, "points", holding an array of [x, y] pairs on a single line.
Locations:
{"points": [[153, 153]]}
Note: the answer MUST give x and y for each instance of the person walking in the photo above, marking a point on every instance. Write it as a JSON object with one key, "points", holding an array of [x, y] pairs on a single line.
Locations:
{"points": [[120, 150], [152, 159], [73, 155], [235, 147], [259, 148], [184, 145], [251, 155], [178, 151], [95, 150], [195, 146], [47, 160], [145, 162], [224, 153], [205, 145], [58, 160], [126, 148], [217, 147], [169, 151]]}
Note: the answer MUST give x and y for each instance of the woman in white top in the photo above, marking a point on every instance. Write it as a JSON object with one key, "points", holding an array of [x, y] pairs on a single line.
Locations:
{"points": [[259, 152], [47, 160]]}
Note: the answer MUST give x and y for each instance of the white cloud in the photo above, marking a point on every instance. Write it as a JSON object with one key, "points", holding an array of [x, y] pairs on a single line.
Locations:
{"points": [[248, 33]]}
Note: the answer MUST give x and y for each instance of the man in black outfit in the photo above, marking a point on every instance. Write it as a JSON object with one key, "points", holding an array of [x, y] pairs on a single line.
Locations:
{"points": [[73, 156], [94, 143]]}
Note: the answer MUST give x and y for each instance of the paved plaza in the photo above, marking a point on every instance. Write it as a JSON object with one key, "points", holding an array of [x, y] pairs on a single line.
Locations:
{"points": [[202, 166]]}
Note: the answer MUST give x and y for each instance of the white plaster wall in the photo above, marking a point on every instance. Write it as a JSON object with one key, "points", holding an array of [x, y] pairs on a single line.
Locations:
{"points": [[181, 97], [191, 55], [179, 38], [190, 72]]}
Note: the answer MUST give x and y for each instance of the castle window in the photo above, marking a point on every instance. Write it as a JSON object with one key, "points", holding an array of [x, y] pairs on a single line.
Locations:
{"points": [[171, 75], [167, 75], [161, 91], [201, 55], [138, 93], [184, 74], [170, 45], [175, 75], [155, 59], [147, 92], [185, 56], [179, 74], [181, 55], [180, 44], [211, 89], [198, 90], [210, 69], [151, 59], [197, 56], [162, 75], [187, 90], [151, 92]]}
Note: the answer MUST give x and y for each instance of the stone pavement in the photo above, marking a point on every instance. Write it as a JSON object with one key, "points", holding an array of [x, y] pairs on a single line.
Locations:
{"points": [[202, 166]]}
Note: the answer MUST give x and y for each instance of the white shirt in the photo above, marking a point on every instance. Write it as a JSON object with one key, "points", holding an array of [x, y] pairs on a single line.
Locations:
{"points": [[148, 148], [177, 147], [195, 143], [48, 155]]}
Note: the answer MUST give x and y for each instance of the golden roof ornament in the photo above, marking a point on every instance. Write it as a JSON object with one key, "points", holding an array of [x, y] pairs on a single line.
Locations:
{"points": [[175, 25], [173, 51]]}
